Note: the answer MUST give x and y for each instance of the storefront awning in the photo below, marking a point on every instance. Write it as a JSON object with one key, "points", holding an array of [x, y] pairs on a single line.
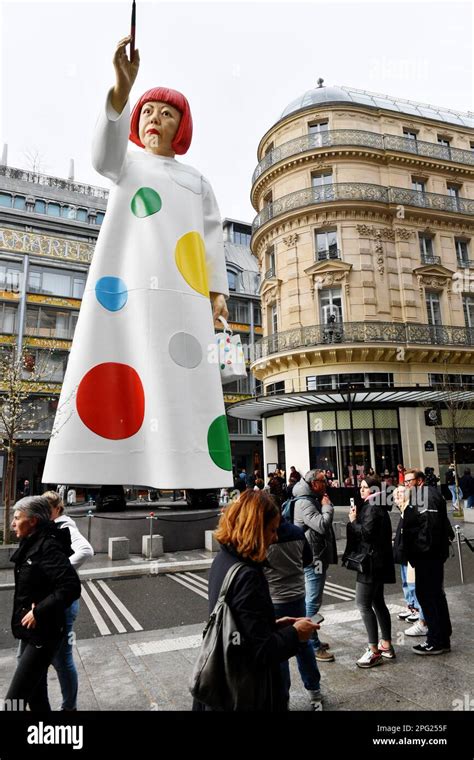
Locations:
{"points": [[263, 406]]}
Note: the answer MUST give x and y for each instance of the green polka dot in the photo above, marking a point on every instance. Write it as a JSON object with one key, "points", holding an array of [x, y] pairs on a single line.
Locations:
{"points": [[145, 202], [219, 444]]}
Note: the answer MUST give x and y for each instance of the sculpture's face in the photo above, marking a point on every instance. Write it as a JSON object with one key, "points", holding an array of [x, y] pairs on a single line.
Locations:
{"points": [[158, 126]]}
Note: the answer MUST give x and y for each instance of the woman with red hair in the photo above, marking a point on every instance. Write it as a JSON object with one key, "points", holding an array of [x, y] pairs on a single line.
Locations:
{"points": [[142, 401]]}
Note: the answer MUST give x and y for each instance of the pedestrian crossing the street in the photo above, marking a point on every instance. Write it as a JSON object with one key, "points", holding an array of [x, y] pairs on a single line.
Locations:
{"points": [[102, 610]]}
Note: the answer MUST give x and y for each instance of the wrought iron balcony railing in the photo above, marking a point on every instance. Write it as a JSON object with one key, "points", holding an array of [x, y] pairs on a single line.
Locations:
{"points": [[362, 138], [428, 259], [331, 253], [270, 273], [361, 191], [466, 263], [364, 332]]}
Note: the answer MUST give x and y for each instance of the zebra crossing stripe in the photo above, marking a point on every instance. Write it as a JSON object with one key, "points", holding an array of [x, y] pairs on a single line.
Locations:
{"points": [[176, 577], [343, 589], [97, 617], [107, 608], [121, 607], [201, 582]]}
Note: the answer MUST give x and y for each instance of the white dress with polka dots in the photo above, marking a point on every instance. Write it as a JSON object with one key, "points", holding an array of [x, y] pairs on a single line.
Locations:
{"points": [[140, 403]]}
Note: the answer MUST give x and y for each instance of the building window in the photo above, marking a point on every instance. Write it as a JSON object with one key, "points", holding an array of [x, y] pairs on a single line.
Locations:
{"points": [[6, 200], [50, 323], [270, 262], [10, 278], [68, 212], [8, 318], [433, 309], [232, 279], [318, 126], [468, 307], [269, 148], [239, 310], [426, 249], [462, 252], [316, 132], [418, 184], [99, 217], [78, 285], [274, 319], [330, 304], [56, 283], [81, 215], [19, 202], [440, 380], [257, 315], [410, 134], [273, 388], [453, 193], [359, 379], [40, 207], [444, 141], [54, 209], [326, 245]]}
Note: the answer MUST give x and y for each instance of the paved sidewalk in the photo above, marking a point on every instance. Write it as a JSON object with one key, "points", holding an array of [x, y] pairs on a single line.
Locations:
{"points": [[150, 670]]}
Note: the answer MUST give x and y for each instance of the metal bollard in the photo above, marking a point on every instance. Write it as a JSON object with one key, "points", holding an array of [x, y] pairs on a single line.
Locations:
{"points": [[151, 517], [457, 530], [89, 524]]}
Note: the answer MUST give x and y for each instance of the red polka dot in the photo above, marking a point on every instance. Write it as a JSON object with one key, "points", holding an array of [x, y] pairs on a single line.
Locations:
{"points": [[111, 401]]}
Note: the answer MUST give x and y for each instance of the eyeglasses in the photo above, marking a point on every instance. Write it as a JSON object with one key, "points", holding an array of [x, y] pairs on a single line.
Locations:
{"points": [[411, 480]]}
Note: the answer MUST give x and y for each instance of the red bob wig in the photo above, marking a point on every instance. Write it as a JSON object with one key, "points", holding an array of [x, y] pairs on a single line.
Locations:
{"points": [[183, 137]]}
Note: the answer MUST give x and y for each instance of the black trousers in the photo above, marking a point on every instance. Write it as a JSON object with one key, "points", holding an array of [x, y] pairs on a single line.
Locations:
{"points": [[30, 680], [429, 574]]}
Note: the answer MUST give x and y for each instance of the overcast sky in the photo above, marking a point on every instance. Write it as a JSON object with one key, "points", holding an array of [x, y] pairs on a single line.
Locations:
{"points": [[239, 64]]}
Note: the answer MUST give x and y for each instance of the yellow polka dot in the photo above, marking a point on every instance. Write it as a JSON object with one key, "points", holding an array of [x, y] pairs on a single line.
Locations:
{"points": [[190, 257]]}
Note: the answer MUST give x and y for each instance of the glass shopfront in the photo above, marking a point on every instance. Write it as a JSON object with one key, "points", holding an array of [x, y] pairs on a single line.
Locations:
{"points": [[364, 438]]}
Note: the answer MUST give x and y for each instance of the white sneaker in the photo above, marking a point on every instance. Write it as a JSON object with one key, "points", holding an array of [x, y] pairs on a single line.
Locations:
{"points": [[369, 659], [417, 629]]}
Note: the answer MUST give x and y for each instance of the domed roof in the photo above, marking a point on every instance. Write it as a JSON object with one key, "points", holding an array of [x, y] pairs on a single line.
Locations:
{"points": [[318, 96], [321, 96]]}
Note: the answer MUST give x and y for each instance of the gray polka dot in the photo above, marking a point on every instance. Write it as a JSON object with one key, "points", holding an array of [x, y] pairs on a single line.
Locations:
{"points": [[185, 350]]}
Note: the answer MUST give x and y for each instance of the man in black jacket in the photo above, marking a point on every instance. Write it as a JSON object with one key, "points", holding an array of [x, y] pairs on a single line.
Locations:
{"points": [[426, 535]]}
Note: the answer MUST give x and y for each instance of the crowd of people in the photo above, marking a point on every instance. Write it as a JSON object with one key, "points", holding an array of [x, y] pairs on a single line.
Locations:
{"points": [[281, 537], [282, 551]]}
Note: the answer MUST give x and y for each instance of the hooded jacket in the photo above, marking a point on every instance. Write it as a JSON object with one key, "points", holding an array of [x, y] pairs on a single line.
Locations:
{"points": [[44, 577], [315, 519]]}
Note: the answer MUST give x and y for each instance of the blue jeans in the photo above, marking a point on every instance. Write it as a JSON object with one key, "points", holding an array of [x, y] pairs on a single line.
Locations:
{"points": [[305, 658], [314, 583], [63, 662], [454, 502], [409, 592]]}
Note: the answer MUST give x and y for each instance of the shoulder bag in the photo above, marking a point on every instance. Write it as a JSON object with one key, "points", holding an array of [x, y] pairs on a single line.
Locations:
{"points": [[223, 678]]}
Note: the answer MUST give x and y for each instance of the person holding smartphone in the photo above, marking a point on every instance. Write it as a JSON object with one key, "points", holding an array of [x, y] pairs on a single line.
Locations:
{"points": [[314, 514], [370, 532]]}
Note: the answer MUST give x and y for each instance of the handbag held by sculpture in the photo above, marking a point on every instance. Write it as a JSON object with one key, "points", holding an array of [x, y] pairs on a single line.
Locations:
{"points": [[230, 354]]}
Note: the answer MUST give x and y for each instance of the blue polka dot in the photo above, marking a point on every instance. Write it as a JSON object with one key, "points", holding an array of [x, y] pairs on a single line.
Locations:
{"points": [[111, 293]]}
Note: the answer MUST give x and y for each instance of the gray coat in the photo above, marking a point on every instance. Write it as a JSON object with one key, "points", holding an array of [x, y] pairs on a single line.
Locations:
{"points": [[316, 522]]}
